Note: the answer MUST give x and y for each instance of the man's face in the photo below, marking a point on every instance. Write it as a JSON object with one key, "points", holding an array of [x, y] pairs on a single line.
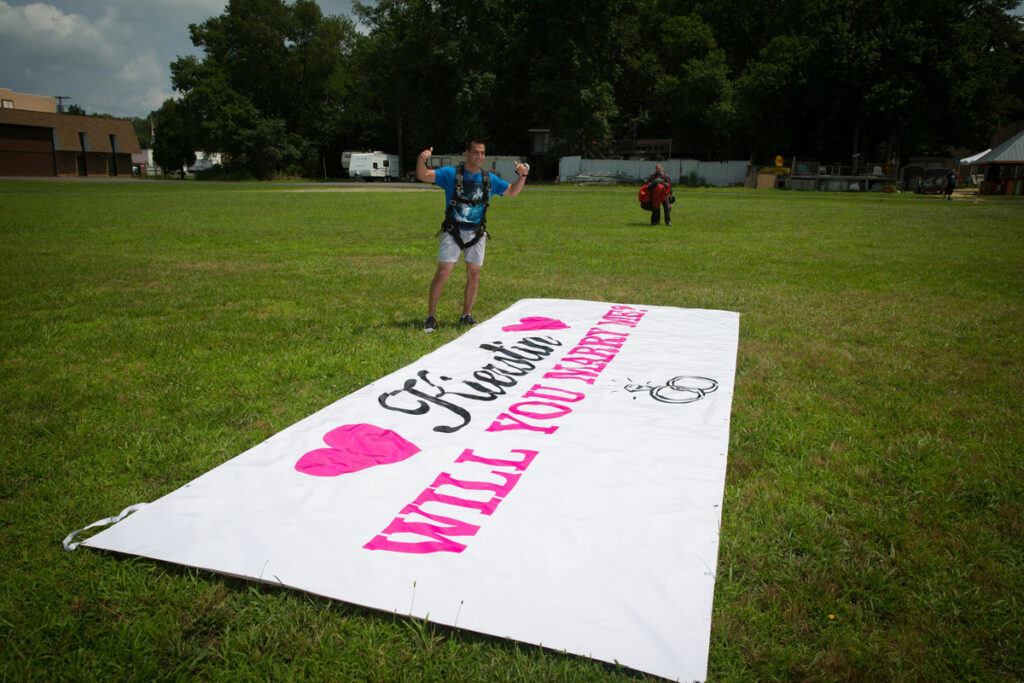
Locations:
{"points": [[475, 156]]}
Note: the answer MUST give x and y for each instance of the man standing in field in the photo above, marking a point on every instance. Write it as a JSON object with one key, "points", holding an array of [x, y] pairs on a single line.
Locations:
{"points": [[660, 188], [467, 193]]}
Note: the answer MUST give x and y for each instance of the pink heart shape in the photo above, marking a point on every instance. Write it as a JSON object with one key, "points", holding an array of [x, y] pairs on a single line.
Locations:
{"points": [[355, 447], [535, 323]]}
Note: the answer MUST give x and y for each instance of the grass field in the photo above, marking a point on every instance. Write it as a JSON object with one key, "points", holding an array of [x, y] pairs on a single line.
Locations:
{"points": [[872, 525]]}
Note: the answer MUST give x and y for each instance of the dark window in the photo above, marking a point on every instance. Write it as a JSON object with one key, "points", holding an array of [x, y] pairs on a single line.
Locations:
{"points": [[83, 142]]}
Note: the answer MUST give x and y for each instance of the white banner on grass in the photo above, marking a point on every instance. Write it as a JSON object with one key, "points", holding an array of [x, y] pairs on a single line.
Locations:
{"points": [[554, 476]]}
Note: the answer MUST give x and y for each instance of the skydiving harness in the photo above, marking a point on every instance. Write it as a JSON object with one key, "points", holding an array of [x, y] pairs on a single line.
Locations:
{"points": [[452, 226]]}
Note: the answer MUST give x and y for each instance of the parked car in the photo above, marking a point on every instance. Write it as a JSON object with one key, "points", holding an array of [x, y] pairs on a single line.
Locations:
{"points": [[932, 180]]}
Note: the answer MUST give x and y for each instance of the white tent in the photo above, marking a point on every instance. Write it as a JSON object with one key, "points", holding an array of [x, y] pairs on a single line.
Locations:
{"points": [[973, 159], [965, 166]]}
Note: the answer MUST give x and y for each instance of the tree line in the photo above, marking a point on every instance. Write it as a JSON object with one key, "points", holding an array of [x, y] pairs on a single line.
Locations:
{"points": [[282, 88]]}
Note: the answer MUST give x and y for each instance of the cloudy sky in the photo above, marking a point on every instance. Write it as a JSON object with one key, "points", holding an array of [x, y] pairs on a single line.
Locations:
{"points": [[108, 56]]}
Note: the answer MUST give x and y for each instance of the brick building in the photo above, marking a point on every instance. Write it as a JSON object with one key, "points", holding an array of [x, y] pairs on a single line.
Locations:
{"points": [[36, 141]]}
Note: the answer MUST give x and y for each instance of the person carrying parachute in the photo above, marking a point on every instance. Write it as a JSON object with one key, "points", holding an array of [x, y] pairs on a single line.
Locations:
{"points": [[656, 192]]}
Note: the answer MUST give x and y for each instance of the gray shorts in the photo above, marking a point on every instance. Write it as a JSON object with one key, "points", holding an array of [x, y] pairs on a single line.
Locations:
{"points": [[448, 252]]}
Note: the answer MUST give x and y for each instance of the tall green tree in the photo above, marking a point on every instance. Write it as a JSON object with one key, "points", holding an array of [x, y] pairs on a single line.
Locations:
{"points": [[439, 72], [877, 78], [175, 143], [142, 130], [280, 85], [443, 70], [569, 59], [402, 75], [269, 88], [697, 86]]}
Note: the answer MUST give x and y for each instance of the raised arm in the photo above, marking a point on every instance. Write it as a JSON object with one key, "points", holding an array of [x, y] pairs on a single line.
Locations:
{"points": [[522, 170], [424, 174]]}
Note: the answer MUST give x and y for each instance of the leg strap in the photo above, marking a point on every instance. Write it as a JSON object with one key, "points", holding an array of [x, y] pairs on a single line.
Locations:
{"points": [[478, 233]]}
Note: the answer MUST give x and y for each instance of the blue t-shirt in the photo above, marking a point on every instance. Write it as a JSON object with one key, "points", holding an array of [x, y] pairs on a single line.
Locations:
{"points": [[472, 188]]}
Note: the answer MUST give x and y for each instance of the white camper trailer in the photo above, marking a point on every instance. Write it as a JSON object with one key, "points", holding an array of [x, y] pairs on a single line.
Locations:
{"points": [[346, 159], [373, 165]]}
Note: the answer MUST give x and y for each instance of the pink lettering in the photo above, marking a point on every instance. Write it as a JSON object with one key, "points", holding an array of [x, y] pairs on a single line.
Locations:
{"points": [[505, 421], [627, 316], [487, 507], [607, 338], [598, 331], [554, 393], [593, 341], [587, 376], [595, 365], [440, 534], [557, 410], [591, 351], [592, 354], [469, 456], [615, 320]]}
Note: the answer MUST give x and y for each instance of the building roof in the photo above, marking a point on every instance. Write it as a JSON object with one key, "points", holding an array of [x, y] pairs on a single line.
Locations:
{"points": [[20, 100], [1010, 152], [68, 126]]}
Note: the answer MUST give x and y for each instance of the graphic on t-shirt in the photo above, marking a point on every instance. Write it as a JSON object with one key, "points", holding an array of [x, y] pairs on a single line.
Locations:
{"points": [[472, 190]]}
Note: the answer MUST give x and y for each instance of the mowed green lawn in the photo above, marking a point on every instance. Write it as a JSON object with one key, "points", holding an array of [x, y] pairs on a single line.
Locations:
{"points": [[872, 525]]}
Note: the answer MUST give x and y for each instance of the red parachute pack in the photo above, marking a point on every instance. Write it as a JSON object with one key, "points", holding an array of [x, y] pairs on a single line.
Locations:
{"points": [[652, 195]]}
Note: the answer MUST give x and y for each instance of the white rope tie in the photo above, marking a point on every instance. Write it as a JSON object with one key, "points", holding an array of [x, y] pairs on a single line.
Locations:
{"points": [[69, 546]]}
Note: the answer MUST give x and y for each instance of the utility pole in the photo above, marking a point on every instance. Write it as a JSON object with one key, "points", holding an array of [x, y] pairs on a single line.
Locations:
{"points": [[60, 102]]}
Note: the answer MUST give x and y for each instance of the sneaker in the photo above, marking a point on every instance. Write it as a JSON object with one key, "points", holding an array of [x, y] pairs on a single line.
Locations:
{"points": [[430, 325], [467, 320]]}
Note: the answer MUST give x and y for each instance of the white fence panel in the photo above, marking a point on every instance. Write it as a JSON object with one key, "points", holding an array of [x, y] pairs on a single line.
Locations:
{"points": [[714, 173]]}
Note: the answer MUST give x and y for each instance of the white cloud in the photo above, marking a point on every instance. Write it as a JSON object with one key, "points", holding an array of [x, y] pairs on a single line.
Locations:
{"points": [[143, 68], [45, 37], [40, 18], [145, 76], [110, 57]]}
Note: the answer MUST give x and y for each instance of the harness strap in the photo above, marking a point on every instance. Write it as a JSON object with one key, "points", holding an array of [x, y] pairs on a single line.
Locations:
{"points": [[452, 226], [478, 234]]}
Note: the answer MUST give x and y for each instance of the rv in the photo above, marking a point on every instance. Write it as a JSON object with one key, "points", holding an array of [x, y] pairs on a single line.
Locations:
{"points": [[373, 165], [346, 158]]}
